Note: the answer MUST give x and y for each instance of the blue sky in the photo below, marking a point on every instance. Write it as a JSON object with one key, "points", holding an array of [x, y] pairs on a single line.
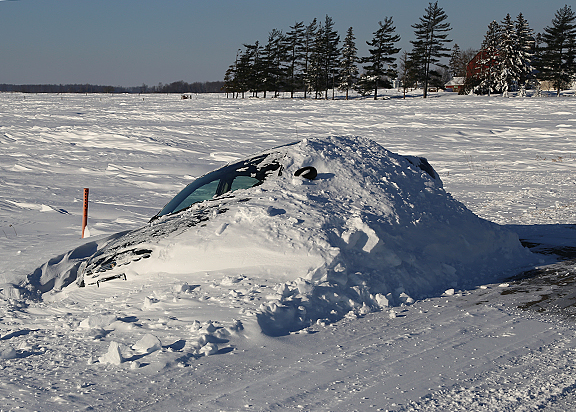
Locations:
{"points": [[130, 42]]}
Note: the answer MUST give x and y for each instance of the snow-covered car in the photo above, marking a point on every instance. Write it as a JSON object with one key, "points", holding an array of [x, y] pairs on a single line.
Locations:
{"points": [[208, 196], [330, 225]]}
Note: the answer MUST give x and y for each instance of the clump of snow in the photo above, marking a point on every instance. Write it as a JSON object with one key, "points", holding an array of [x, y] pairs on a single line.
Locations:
{"points": [[97, 321], [148, 344], [113, 356], [7, 352], [209, 349]]}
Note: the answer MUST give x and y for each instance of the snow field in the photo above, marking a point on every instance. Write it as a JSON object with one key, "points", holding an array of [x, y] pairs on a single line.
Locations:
{"points": [[144, 345]]}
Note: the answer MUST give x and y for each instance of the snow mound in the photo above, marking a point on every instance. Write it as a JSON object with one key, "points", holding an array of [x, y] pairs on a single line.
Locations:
{"points": [[385, 229], [374, 229]]}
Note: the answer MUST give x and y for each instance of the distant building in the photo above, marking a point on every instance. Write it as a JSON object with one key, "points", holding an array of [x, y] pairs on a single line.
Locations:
{"points": [[480, 63], [455, 85]]}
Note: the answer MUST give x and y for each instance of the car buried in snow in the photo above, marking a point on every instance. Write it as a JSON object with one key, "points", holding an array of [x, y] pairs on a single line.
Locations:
{"points": [[205, 198], [328, 225]]}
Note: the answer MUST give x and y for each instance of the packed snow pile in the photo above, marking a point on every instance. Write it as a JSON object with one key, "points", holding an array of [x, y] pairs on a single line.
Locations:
{"points": [[373, 229]]}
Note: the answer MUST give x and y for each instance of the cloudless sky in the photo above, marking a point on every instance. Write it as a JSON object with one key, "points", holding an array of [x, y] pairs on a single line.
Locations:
{"points": [[130, 42]]}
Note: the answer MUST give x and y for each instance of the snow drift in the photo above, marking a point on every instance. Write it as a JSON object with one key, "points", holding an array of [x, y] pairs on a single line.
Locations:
{"points": [[374, 229]]}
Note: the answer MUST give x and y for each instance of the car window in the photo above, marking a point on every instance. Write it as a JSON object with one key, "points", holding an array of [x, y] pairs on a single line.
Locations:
{"points": [[205, 192], [244, 182], [241, 175]]}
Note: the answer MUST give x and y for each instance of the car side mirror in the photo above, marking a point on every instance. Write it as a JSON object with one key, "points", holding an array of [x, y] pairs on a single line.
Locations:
{"points": [[308, 172]]}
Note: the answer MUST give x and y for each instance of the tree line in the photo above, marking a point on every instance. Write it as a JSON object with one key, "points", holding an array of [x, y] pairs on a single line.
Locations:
{"points": [[512, 58], [309, 58], [175, 87]]}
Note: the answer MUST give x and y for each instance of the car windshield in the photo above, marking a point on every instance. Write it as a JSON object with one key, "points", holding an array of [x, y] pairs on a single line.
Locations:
{"points": [[241, 175]]}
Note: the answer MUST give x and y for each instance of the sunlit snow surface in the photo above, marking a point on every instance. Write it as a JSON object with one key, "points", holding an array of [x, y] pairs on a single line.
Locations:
{"points": [[510, 161]]}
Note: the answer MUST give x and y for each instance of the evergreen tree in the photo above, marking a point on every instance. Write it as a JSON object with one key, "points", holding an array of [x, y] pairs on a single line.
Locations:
{"points": [[365, 85], [407, 75], [316, 74], [348, 74], [231, 78], [272, 59], [557, 57], [536, 59], [324, 59], [381, 63], [455, 61], [254, 71], [525, 50], [459, 60], [229, 81], [489, 58], [431, 36], [266, 75], [295, 46], [331, 54], [245, 74], [309, 42], [508, 71]]}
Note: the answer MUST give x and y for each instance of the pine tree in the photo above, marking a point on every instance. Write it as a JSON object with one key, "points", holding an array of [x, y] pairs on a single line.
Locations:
{"points": [[489, 58], [455, 61], [431, 36], [252, 69], [324, 59], [406, 74], [525, 51], [229, 81], [295, 45], [348, 74], [267, 79], [316, 75], [459, 60], [536, 61], [331, 55], [557, 57], [309, 41], [508, 71], [381, 63], [246, 74], [365, 85], [273, 58]]}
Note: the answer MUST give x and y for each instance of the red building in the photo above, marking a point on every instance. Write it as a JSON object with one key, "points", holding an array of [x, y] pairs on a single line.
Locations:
{"points": [[480, 63], [455, 85]]}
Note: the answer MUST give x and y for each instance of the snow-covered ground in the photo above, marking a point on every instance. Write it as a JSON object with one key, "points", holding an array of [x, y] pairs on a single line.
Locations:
{"points": [[143, 345]]}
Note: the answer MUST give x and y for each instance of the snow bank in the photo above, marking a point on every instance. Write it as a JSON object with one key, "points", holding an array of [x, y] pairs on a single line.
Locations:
{"points": [[373, 229]]}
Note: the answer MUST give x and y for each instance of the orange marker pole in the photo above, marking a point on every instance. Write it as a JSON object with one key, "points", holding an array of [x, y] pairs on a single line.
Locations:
{"points": [[85, 214]]}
